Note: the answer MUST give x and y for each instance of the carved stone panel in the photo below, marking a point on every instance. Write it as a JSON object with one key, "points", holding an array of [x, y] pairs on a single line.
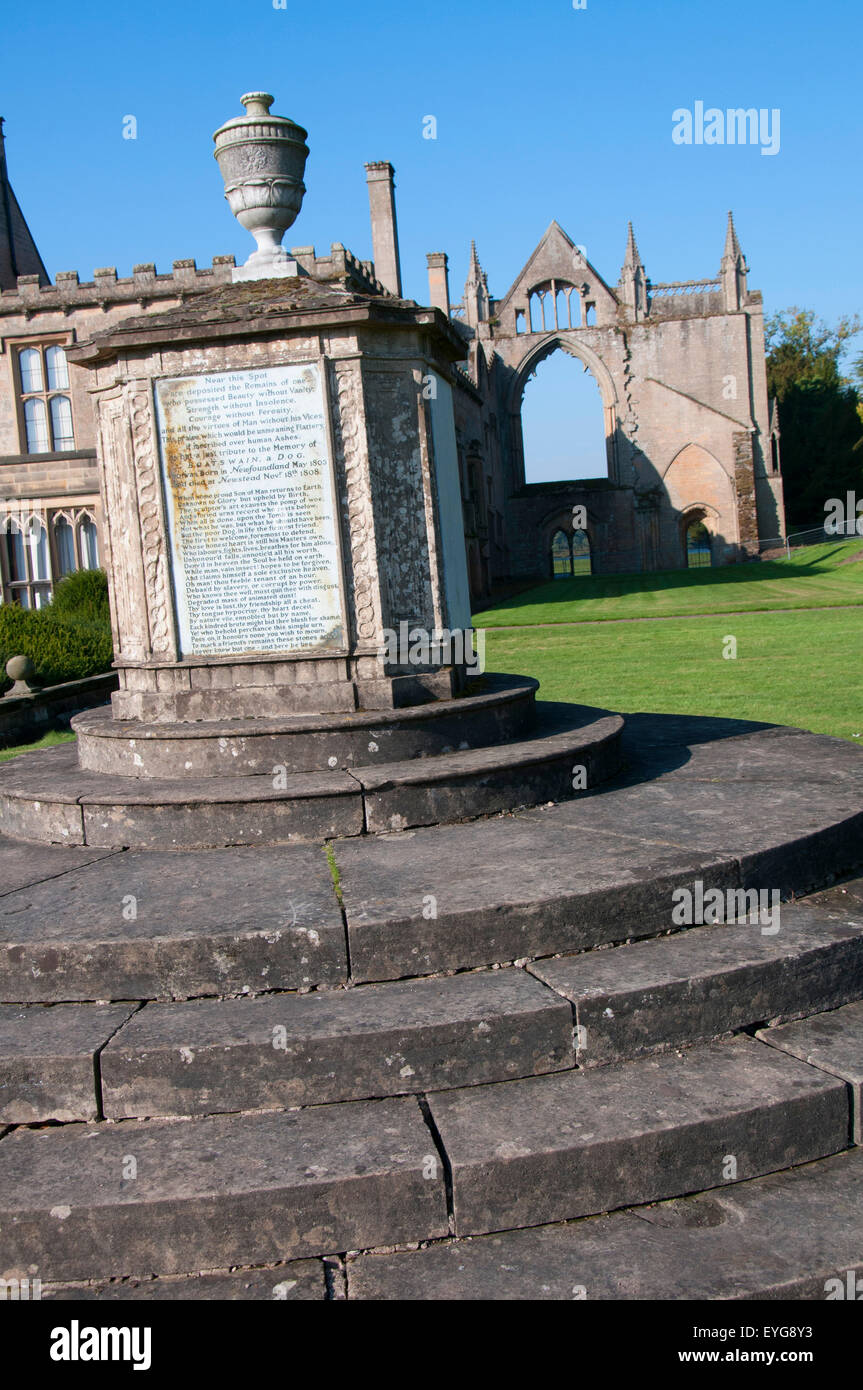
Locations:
{"points": [[399, 499]]}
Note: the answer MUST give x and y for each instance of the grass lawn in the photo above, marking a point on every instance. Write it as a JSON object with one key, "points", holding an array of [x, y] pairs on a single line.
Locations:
{"points": [[800, 668], [46, 741], [814, 576]]}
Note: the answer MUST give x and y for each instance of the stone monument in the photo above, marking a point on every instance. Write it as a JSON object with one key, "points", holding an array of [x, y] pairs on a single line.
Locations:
{"points": [[284, 543]]}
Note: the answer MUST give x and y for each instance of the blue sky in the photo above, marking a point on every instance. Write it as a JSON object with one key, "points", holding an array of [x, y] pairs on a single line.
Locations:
{"points": [[542, 111]]}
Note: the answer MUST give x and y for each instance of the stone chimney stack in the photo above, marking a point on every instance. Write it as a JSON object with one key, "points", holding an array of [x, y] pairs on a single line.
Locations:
{"points": [[385, 236], [438, 266]]}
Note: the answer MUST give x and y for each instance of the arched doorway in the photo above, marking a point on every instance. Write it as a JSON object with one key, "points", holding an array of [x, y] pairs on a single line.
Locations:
{"points": [[570, 554], [696, 539]]}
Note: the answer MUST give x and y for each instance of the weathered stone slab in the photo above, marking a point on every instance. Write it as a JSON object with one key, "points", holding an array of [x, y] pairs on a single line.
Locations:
{"points": [[706, 981], [787, 835], [703, 748], [200, 825], [793, 1235], [777, 754], [219, 811], [502, 890], [163, 926], [58, 801], [22, 865], [298, 1280], [179, 1196], [844, 900], [39, 797], [832, 1041], [377, 1040], [555, 1147], [47, 1059], [482, 781]]}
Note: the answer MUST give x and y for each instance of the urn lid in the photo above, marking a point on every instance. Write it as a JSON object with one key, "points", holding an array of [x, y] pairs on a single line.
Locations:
{"points": [[257, 125]]}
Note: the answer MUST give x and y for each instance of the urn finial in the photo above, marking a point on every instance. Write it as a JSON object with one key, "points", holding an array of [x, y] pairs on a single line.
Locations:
{"points": [[262, 159]]}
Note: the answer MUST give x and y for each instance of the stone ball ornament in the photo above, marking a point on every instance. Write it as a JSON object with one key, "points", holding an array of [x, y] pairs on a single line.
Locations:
{"points": [[22, 673], [262, 159], [20, 668]]}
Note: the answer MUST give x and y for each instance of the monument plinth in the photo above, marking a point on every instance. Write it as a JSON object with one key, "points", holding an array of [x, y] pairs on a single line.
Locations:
{"points": [[280, 493]]}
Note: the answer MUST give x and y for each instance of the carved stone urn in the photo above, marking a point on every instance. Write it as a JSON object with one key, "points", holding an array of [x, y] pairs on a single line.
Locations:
{"points": [[262, 159]]}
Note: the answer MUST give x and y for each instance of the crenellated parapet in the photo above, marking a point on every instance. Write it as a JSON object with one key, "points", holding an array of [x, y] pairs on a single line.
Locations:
{"points": [[145, 286], [69, 292]]}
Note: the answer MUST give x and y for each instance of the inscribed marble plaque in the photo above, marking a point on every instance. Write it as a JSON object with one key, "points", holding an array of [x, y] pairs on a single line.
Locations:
{"points": [[251, 511]]}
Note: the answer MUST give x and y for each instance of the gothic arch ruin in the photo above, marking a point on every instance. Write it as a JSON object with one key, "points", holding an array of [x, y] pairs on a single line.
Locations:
{"points": [[681, 373], [537, 352]]}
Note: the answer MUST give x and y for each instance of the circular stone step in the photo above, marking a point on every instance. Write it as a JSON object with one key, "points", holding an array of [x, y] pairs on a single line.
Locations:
{"points": [[501, 710], [47, 796]]}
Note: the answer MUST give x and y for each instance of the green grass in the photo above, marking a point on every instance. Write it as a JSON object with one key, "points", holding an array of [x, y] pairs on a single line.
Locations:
{"points": [[799, 668], [334, 871], [814, 576], [46, 741]]}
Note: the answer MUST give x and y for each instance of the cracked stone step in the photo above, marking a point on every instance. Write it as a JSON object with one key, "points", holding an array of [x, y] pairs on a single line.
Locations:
{"points": [[706, 981], [552, 1148], [508, 889], [791, 1235], [377, 1040], [832, 1041], [296, 1281], [24, 864], [168, 926], [178, 1196], [48, 1058]]}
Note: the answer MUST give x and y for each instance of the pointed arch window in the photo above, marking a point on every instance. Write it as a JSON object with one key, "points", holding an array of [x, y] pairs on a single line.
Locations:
{"points": [[561, 556], [76, 542], [26, 561], [88, 543], [64, 544], [581, 561]]}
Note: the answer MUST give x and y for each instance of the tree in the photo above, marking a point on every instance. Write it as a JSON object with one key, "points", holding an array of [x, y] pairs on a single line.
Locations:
{"points": [[820, 414]]}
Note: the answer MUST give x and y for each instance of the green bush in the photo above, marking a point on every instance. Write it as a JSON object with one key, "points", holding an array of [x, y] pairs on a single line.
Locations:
{"points": [[82, 596], [67, 640]]}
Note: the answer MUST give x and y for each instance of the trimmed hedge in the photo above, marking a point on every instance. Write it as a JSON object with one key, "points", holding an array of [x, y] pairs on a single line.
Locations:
{"points": [[67, 640], [83, 597]]}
